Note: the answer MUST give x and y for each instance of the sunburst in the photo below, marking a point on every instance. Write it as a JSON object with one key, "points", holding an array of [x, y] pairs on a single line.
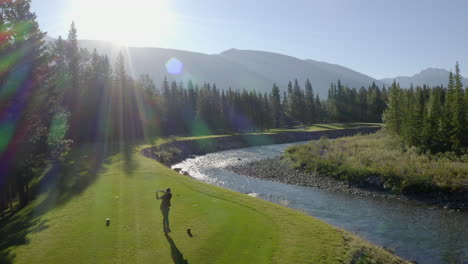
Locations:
{"points": [[136, 22]]}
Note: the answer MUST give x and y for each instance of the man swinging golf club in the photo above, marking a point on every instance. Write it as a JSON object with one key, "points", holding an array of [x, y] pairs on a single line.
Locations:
{"points": [[165, 205]]}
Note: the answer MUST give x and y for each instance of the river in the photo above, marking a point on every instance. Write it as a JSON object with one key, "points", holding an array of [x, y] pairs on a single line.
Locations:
{"points": [[422, 233]]}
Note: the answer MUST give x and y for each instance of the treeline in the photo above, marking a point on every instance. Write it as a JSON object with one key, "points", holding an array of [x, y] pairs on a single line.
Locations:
{"points": [[432, 119], [194, 109], [350, 105], [184, 109]]}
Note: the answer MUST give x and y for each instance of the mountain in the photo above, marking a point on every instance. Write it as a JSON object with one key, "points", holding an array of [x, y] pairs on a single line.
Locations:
{"points": [[281, 68], [249, 69], [238, 69], [429, 76]]}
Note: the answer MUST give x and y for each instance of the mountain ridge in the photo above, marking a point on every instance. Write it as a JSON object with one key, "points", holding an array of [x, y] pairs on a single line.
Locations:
{"points": [[233, 68], [250, 69], [431, 76]]}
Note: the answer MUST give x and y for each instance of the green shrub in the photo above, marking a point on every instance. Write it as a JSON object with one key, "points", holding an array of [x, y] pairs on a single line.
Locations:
{"points": [[167, 155], [402, 170]]}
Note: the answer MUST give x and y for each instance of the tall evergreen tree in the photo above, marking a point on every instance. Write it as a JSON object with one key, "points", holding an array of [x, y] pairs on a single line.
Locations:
{"points": [[309, 103], [275, 106], [393, 115], [459, 130], [289, 101], [320, 113], [298, 105], [432, 133]]}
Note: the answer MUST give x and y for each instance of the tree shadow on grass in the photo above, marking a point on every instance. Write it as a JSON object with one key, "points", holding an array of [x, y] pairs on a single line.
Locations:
{"points": [[129, 163], [176, 255], [14, 229], [73, 176], [82, 168], [61, 183]]}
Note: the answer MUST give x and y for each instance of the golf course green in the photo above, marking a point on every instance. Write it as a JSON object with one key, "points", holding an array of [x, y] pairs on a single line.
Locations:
{"points": [[66, 226]]}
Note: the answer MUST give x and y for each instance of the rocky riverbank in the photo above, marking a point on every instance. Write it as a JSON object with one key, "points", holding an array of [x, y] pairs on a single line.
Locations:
{"points": [[177, 151], [278, 169]]}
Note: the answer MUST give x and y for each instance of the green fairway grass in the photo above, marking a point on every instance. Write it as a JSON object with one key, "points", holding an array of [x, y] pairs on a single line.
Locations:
{"points": [[306, 128], [328, 126], [228, 227]]}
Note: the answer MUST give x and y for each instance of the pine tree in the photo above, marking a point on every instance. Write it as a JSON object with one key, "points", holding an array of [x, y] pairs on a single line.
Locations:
{"points": [[289, 101], [375, 104], [432, 134], [319, 111], [120, 72], [73, 94], [419, 115], [73, 58], [412, 116], [393, 115], [309, 103], [147, 85], [275, 106], [332, 104], [457, 108], [449, 98], [363, 114], [298, 108], [266, 110]]}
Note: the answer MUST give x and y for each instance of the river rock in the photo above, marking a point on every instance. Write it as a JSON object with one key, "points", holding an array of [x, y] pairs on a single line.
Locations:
{"points": [[375, 181]]}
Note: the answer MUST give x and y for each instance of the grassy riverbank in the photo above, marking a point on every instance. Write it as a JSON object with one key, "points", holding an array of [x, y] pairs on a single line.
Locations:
{"points": [[66, 224], [379, 160]]}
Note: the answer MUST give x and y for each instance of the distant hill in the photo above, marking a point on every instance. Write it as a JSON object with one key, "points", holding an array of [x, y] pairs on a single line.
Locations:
{"points": [[281, 68], [249, 69], [429, 76], [239, 69]]}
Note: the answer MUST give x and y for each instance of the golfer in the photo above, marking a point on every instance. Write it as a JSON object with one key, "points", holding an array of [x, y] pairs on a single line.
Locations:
{"points": [[165, 205]]}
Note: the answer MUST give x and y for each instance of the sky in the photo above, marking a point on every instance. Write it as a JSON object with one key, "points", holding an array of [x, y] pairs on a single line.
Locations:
{"points": [[380, 38]]}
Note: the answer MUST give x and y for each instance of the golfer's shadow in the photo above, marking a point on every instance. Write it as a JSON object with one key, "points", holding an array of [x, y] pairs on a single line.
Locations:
{"points": [[176, 255]]}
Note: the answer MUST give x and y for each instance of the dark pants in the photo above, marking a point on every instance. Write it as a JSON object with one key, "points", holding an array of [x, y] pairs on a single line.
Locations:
{"points": [[165, 213]]}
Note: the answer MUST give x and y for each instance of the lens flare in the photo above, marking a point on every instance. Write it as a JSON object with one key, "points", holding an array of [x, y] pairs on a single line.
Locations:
{"points": [[174, 66], [6, 133]]}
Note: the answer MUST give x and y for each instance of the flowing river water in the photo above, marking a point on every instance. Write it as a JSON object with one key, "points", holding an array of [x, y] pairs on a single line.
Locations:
{"points": [[413, 231]]}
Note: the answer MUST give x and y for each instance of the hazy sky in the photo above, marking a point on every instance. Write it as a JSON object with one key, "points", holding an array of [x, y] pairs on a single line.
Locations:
{"points": [[381, 38]]}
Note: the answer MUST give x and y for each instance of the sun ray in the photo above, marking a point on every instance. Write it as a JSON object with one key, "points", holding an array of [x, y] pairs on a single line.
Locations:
{"points": [[127, 23]]}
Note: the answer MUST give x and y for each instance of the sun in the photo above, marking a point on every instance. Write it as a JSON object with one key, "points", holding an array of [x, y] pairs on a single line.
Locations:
{"points": [[135, 22]]}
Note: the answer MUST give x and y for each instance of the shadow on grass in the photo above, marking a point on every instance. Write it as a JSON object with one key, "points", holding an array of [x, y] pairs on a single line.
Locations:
{"points": [[129, 163], [176, 255], [73, 176], [82, 168], [14, 230], [61, 183]]}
